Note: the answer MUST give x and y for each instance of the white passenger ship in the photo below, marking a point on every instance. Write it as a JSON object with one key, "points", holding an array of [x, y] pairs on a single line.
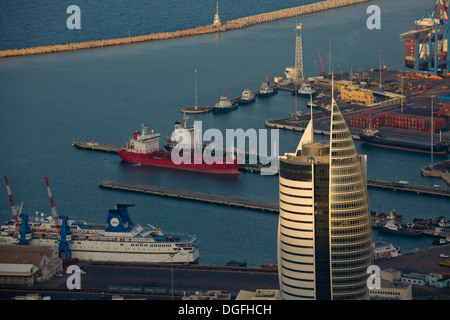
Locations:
{"points": [[119, 240]]}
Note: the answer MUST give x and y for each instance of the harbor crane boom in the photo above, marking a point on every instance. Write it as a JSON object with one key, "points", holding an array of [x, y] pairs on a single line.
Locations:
{"points": [[52, 203], [16, 210], [321, 63], [427, 44]]}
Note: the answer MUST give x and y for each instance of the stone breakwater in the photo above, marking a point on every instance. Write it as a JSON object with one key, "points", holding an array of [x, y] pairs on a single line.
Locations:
{"points": [[229, 25]]}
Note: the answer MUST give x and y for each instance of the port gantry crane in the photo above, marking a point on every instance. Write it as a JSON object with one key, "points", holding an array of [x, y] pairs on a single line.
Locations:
{"points": [[20, 220], [65, 236], [429, 41]]}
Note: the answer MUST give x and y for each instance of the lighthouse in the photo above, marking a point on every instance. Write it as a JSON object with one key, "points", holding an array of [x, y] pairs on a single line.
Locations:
{"points": [[216, 16]]}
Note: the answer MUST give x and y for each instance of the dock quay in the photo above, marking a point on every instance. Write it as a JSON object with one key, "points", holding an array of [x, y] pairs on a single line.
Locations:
{"points": [[406, 186], [190, 195], [388, 101], [439, 170], [250, 204], [95, 146], [200, 30]]}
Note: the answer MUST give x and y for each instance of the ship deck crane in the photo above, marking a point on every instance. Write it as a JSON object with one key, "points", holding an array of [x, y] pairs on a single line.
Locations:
{"points": [[430, 38]]}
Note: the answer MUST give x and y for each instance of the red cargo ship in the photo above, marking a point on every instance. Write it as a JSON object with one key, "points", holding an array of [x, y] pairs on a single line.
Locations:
{"points": [[144, 148]]}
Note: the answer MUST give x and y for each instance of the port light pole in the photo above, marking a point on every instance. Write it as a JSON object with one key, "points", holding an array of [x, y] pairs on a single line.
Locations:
{"points": [[329, 56], [381, 86], [432, 133]]}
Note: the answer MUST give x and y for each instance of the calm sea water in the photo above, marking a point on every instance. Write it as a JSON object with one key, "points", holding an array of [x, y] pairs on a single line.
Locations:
{"points": [[105, 94]]}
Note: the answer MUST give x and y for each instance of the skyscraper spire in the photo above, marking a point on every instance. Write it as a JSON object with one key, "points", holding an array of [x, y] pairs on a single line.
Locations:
{"points": [[352, 218], [308, 134]]}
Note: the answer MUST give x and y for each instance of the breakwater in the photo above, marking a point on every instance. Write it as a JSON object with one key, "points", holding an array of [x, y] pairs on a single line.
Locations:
{"points": [[226, 26]]}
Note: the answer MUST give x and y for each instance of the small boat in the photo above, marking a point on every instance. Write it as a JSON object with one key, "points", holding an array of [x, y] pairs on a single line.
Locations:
{"points": [[306, 90], [312, 105], [224, 105], [439, 241], [398, 229], [247, 96], [320, 95], [266, 90]]}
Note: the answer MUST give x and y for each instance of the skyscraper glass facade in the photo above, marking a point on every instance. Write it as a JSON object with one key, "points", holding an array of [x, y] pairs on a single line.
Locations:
{"points": [[324, 235]]}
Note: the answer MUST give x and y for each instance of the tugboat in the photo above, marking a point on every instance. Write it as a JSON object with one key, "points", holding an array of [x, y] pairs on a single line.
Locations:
{"points": [[144, 148], [306, 90], [266, 90], [224, 105], [247, 96]]}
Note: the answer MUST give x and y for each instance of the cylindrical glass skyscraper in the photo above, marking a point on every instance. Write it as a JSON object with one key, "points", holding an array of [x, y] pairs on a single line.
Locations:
{"points": [[324, 233]]}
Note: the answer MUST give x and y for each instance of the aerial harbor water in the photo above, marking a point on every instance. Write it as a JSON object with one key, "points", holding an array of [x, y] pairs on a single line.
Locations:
{"points": [[48, 101]]}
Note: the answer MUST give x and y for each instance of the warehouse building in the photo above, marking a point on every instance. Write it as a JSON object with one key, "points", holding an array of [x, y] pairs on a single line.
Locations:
{"points": [[25, 265]]}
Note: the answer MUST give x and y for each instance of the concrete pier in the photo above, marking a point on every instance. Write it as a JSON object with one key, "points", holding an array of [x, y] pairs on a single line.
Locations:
{"points": [[95, 146], [190, 195], [251, 204]]}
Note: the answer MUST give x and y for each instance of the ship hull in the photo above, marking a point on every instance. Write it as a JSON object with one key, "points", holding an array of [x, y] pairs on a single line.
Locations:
{"points": [[268, 94], [163, 159], [122, 252], [406, 146], [404, 233], [222, 110], [247, 101]]}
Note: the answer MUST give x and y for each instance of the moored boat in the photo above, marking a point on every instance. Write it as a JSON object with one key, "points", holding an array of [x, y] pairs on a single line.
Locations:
{"points": [[247, 96], [144, 149], [119, 240], [224, 104], [266, 90], [306, 90], [398, 229], [373, 138]]}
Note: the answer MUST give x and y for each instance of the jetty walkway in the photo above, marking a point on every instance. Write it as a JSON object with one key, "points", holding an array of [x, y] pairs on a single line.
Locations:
{"points": [[406, 186], [226, 26], [95, 146], [250, 204], [190, 195]]}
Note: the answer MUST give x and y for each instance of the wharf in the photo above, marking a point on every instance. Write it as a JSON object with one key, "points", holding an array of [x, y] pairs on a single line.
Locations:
{"points": [[439, 170], [250, 204], [416, 102], [190, 195], [400, 186], [95, 146]]}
